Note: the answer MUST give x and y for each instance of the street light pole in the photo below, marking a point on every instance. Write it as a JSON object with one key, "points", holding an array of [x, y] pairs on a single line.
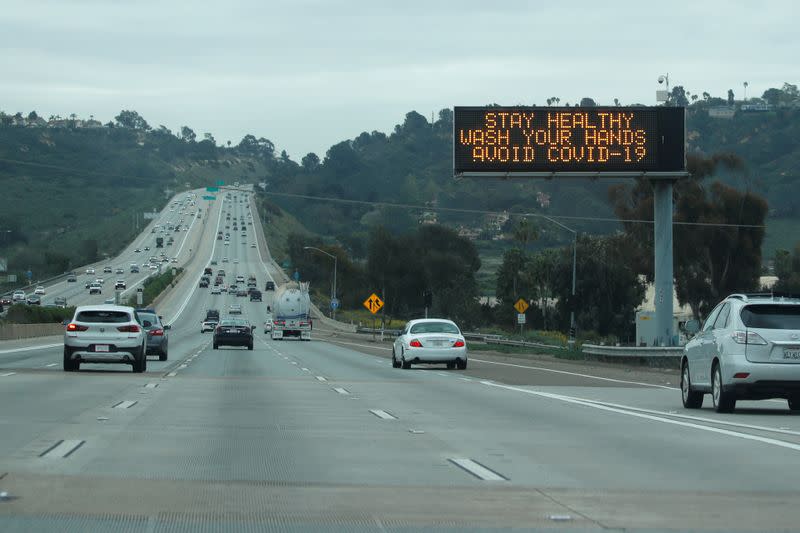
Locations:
{"points": [[333, 287]]}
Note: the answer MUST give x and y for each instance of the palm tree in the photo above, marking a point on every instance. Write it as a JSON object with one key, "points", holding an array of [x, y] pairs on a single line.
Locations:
{"points": [[746, 85]]}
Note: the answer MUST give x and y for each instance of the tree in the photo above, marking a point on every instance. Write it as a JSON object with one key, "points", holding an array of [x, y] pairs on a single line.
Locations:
{"points": [[130, 119], [709, 261], [310, 162], [209, 137], [787, 269], [677, 97], [587, 102], [706, 96], [32, 116], [730, 97], [616, 102], [187, 134], [525, 232]]}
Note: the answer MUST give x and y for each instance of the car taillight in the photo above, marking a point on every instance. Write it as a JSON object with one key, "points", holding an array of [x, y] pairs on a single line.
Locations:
{"points": [[458, 344], [279, 322], [157, 332], [415, 344], [76, 327], [304, 324], [747, 337], [131, 328]]}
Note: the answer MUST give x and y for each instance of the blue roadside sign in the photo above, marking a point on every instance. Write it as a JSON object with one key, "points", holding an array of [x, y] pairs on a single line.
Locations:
{"points": [[297, 275], [335, 303]]}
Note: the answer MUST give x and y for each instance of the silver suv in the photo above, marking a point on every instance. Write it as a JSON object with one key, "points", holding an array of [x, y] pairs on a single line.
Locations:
{"points": [[105, 334], [747, 349]]}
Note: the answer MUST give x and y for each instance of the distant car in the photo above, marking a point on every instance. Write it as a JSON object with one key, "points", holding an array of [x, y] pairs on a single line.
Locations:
{"points": [[208, 325], [33, 299], [430, 340], [242, 291], [255, 296], [235, 261], [105, 334], [107, 270], [95, 288], [18, 296], [72, 278], [268, 326], [157, 336], [137, 250], [747, 349], [253, 245], [235, 309], [212, 314], [101, 281], [239, 279], [213, 263], [224, 259], [227, 243], [6, 300], [203, 283], [120, 285], [174, 259], [270, 286], [216, 290], [90, 271], [119, 271], [233, 332], [60, 301], [134, 269], [39, 290], [146, 248]]}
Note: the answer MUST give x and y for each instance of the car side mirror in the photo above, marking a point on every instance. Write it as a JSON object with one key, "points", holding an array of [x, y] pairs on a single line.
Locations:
{"points": [[167, 326], [692, 326]]}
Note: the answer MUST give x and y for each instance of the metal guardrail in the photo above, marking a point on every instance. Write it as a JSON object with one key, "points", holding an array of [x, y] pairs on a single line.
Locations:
{"points": [[632, 351], [524, 344]]}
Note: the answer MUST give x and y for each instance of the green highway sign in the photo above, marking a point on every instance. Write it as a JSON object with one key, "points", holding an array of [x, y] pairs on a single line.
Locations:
{"points": [[212, 189], [209, 197], [220, 183]]}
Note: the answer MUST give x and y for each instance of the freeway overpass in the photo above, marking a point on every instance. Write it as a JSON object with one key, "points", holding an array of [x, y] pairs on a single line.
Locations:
{"points": [[327, 436]]}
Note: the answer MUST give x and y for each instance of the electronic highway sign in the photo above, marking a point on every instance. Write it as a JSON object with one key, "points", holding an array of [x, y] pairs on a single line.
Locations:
{"points": [[612, 141]]}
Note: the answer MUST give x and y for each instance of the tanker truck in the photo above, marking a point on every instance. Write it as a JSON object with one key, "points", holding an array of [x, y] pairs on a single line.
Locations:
{"points": [[291, 309]]}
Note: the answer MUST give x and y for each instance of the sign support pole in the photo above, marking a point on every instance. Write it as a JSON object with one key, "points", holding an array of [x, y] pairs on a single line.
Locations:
{"points": [[662, 211]]}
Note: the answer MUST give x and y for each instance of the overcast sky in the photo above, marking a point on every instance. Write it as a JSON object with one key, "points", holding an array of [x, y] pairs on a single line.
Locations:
{"points": [[308, 74]]}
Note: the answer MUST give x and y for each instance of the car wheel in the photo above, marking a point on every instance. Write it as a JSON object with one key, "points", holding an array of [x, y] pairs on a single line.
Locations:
{"points": [[691, 399], [403, 363], [162, 356], [250, 346], [140, 360], [724, 402], [395, 362], [69, 364], [794, 403], [215, 345], [462, 365], [451, 365]]}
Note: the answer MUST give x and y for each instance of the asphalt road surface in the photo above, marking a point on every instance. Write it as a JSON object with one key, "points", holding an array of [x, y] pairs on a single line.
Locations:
{"points": [[327, 436]]}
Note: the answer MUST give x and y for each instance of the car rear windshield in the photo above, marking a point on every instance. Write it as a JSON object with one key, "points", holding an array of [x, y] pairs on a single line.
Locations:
{"points": [[434, 327], [771, 316], [150, 317], [102, 317]]}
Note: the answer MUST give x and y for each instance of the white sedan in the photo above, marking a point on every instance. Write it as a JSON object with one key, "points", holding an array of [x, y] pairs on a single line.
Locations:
{"points": [[430, 340], [39, 290]]}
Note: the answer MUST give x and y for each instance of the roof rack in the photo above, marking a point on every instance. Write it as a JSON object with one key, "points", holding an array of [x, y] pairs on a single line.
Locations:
{"points": [[776, 294]]}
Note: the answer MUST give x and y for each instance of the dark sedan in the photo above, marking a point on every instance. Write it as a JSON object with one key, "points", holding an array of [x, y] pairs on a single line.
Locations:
{"points": [[233, 332], [157, 337]]}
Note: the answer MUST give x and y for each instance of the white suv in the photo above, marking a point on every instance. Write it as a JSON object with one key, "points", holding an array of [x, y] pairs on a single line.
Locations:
{"points": [[747, 349], [105, 334]]}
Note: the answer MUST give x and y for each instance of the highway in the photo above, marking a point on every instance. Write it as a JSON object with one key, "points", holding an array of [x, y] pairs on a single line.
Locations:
{"points": [[327, 436]]}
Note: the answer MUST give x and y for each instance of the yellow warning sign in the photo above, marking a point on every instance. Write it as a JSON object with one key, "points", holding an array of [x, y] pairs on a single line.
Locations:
{"points": [[521, 306], [373, 303]]}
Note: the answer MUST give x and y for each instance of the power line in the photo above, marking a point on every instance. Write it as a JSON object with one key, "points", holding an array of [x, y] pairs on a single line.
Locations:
{"points": [[482, 212]]}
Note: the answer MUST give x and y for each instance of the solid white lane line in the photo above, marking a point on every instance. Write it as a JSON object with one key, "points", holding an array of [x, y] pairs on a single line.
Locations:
{"points": [[172, 374], [476, 469], [380, 413], [710, 429], [354, 344], [151, 386], [50, 364], [340, 390], [7, 374], [465, 379], [294, 362], [319, 378], [184, 365], [440, 374], [125, 404], [573, 374], [62, 448], [304, 369], [30, 348], [784, 430]]}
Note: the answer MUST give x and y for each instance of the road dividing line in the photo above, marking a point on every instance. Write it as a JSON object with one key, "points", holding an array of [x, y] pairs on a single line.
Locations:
{"points": [[62, 449], [294, 362], [126, 404], [340, 390], [51, 364], [30, 348], [465, 379], [7, 374], [304, 369], [319, 378], [184, 365], [542, 369], [477, 469], [380, 413], [654, 418], [172, 374]]}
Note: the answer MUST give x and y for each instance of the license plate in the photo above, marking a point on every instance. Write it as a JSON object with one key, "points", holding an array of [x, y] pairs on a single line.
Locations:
{"points": [[101, 347], [233, 331], [793, 353], [440, 343]]}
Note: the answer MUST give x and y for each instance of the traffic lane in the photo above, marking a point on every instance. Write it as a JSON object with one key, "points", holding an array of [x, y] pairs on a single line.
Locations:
{"points": [[540, 437], [516, 371]]}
